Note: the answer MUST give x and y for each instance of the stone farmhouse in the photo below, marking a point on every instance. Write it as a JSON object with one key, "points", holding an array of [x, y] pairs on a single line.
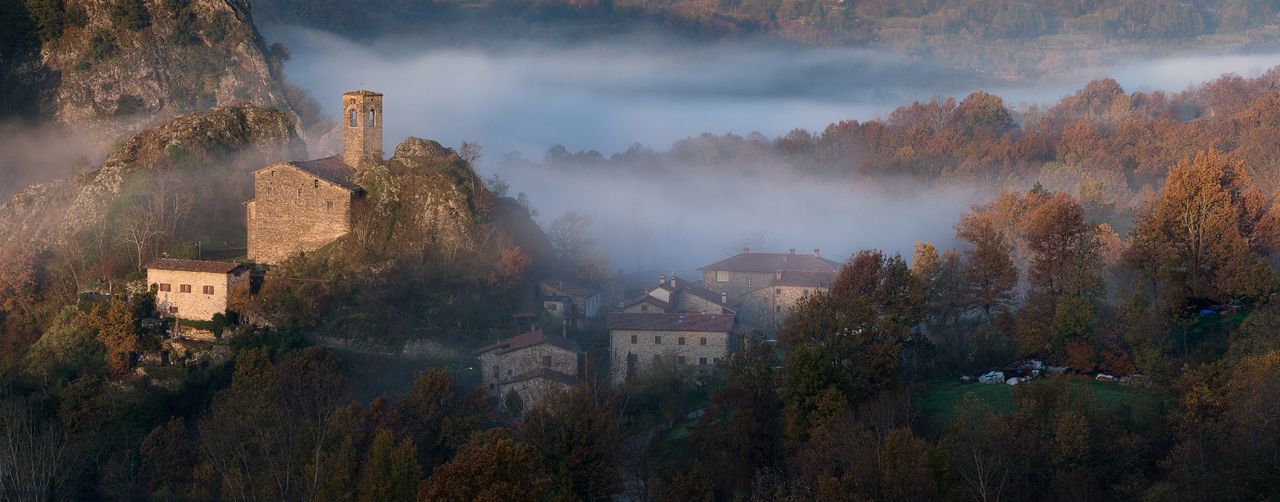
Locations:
{"points": [[676, 295], [690, 343], [301, 206], [194, 289], [530, 364], [768, 285], [569, 302]]}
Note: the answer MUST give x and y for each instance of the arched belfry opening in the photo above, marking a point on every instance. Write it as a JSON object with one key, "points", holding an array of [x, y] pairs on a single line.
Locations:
{"points": [[362, 138]]}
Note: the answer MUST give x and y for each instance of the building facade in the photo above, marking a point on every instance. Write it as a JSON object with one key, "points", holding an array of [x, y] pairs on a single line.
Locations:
{"points": [[565, 300], [194, 289], [688, 343], [767, 286], [301, 206], [526, 363]]}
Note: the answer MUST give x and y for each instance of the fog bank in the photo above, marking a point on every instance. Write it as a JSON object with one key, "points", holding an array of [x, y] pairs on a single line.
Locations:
{"points": [[611, 94]]}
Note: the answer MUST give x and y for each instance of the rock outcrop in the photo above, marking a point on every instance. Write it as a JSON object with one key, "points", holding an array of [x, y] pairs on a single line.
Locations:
{"points": [[236, 138], [112, 67]]}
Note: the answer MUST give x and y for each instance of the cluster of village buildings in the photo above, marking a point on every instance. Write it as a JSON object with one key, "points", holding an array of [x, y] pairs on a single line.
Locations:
{"points": [[677, 325]]}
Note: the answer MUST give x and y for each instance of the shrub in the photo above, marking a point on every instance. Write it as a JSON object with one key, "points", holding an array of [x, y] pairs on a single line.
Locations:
{"points": [[130, 14], [101, 46]]}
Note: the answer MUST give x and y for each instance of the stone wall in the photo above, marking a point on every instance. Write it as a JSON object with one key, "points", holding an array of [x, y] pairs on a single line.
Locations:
{"points": [[767, 308], [194, 305], [294, 212], [737, 284], [531, 391], [718, 347], [497, 368]]}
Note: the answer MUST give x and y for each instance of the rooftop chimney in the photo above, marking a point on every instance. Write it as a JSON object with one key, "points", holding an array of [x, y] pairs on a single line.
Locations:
{"points": [[817, 252], [662, 280], [673, 281], [746, 250], [724, 298], [777, 275]]}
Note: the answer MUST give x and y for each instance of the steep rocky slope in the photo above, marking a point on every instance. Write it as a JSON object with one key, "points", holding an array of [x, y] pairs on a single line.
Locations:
{"points": [[108, 67], [210, 149]]}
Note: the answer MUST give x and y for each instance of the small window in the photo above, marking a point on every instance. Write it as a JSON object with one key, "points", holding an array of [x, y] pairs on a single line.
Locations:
{"points": [[185, 288], [173, 309], [328, 204], [644, 308], [751, 281], [680, 359], [551, 307], [352, 119], [680, 341], [315, 183], [508, 371], [702, 361], [491, 386], [546, 361], [299, 192], [722, 276], [703, 341], [657, 358], [633, 339], [165, 287], [373, 120], [778, 308], [657, 340], [208, 290], [777, 291]]}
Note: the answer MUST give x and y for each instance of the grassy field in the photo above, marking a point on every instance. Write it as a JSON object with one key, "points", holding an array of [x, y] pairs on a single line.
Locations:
{"points": [[940, 397]]}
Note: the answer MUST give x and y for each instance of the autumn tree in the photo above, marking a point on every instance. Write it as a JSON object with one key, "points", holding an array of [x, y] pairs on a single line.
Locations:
{"points": [[578, 438], [492, 467], [1198, 239], [391, 472], [741, 432], [439, 415], [990, 272]]}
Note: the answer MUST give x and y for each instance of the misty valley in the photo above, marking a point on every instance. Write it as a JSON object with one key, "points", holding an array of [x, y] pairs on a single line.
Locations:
{"points": [[639, 250]]}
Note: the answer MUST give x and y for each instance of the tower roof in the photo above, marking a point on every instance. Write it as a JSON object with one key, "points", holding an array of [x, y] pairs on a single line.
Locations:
{"points": [[361, 92]]}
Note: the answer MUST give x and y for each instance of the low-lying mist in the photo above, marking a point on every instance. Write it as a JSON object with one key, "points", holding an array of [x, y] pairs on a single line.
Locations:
{"points": [[679, 222], [35, 154], [608, 95]]}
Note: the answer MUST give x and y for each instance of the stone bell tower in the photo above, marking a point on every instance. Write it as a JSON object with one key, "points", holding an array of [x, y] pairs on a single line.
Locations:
{"points": [[361, 127]]}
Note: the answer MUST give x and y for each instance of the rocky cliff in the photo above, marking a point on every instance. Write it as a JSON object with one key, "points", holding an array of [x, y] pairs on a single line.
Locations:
{"points": [[109, 67], [210, 152]]}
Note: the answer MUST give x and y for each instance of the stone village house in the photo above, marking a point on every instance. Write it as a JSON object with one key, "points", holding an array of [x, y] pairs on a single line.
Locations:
{"points": [[194, 289], [677, 295], [569, 302], [768, 285], [692, 341], [301, 206], [530, 364]]}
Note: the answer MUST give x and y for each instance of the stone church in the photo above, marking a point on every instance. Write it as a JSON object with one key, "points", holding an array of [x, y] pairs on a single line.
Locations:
{"points": [[301, 206]]}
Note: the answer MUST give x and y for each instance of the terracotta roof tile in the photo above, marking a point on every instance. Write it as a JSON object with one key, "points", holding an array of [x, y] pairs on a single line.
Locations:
{"points": [[530, 339], [773, 262], [806, 278], [672, 322], [651, 301], [331, 169], [212, 267]]}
